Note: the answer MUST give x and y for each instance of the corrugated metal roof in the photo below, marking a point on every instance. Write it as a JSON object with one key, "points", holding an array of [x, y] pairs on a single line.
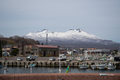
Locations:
{"points": [[42, 46], [8, 46], [46, 46]]}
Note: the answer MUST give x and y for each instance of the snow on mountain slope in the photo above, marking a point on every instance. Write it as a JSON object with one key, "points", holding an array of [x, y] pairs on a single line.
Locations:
{"points": [[72, 34]]}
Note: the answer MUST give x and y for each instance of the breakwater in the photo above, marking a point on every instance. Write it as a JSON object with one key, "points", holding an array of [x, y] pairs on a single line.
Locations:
{"points": [[61, 76], [52, 63]]}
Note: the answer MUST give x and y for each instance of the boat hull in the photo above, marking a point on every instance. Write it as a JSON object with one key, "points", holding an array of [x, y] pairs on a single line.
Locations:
{"points": [[93, 66], [83, 66], [110, 67], [101, 67]]}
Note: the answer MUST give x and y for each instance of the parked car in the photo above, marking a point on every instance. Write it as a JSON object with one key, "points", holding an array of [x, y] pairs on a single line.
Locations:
{"points": [[51, 59], [30, 58], [19, 59]]}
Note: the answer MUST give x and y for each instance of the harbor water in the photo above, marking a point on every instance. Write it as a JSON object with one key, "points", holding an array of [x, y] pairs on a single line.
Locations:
{"points": [[19, 70]]}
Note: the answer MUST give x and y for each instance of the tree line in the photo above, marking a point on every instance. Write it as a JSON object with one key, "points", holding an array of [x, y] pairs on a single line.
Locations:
{"points": [[16, 40]]}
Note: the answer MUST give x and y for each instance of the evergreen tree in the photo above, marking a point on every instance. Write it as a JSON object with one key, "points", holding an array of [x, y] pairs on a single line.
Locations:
{"points": [[14, 52]]}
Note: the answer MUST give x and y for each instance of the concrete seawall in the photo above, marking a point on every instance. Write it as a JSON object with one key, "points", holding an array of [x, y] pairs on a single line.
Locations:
{"points": [[50, 63], [61, 76]]}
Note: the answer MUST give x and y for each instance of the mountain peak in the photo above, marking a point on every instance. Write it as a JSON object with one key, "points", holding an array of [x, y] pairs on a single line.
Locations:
{"points": [[79, 30], [44, 30]]}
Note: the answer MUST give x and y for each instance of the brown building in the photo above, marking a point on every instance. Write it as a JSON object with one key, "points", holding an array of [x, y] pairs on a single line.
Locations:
{"points": [[38, 50], [8, 48]]}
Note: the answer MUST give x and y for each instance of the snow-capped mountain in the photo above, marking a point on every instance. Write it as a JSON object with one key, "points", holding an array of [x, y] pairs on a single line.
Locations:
{"points": [[72, 34], [71, 37]]}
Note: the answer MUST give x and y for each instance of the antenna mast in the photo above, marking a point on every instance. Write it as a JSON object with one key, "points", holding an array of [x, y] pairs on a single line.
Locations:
{"points": [[46, 39]]}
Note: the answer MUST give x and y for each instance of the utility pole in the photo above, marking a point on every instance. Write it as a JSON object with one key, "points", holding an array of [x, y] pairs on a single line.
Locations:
{"points": [[0, 48], [23, 49], [5, 68]]}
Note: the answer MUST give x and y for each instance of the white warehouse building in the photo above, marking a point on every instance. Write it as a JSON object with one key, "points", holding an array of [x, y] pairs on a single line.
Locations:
{"points": [[97, 51]]}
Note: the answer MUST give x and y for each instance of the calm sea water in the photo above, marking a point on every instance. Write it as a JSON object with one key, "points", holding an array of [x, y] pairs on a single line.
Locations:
{"points": [[12, 70]]}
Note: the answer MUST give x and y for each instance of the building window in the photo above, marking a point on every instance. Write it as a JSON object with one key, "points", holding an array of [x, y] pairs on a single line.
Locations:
{"points": [[27, 52], [39, 49], [28, 47], [4, 48], [32, 53]]}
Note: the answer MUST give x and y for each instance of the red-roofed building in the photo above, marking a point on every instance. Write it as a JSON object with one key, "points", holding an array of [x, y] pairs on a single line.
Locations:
{"points": [[38, 50]]}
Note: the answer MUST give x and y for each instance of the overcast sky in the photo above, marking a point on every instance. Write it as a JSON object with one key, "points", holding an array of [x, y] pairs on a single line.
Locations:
{"points": [[98, 17]]}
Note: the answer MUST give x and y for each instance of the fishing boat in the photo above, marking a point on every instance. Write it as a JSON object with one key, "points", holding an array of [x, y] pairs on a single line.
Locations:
{"points": [[110, 66], [94, 66], [83, 66], [80, 59], [101, 66]]}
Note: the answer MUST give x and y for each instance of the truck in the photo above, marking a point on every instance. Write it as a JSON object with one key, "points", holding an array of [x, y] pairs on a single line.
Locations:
{"points": [[30, 58], [62, 57]]}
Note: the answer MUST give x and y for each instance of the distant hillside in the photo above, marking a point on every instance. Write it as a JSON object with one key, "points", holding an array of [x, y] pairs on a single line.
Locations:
{"points": [[16, 40]]}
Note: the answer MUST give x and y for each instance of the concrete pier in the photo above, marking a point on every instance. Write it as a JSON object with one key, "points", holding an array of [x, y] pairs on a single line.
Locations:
{"points": [[51, 63]]}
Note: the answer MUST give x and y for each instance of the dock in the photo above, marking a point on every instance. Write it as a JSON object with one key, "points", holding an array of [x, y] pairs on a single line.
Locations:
{"points": [[52, 63]]}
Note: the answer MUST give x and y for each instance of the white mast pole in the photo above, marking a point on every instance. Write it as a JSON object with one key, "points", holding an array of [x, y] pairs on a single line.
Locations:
{"points": [[59, 64]]}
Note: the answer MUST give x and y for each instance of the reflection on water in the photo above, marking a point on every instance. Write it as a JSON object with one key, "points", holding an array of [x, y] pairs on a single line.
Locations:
{"points": [[12, 70]]}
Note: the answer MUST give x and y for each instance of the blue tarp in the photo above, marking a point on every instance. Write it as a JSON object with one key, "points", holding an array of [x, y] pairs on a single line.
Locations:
{"points": [[32, 65]]}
